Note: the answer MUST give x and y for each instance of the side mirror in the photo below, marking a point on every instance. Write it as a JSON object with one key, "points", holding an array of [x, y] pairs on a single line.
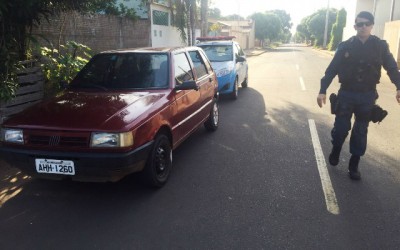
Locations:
{"points": [[240, 59], [187, 85]]}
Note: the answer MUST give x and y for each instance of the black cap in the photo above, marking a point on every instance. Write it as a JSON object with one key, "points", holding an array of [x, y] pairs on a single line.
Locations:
{"points": [[366, 15]]}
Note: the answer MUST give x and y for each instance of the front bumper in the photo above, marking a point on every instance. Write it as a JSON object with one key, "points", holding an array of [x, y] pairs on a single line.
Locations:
{"points": [[225, 84], [91, 167]]}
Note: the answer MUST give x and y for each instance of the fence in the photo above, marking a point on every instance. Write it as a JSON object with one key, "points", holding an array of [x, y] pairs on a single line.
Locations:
{"points": [[29, 92]]}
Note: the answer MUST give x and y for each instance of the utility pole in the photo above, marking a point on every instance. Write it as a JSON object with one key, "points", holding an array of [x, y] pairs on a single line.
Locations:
{"points": [[326, 26]]}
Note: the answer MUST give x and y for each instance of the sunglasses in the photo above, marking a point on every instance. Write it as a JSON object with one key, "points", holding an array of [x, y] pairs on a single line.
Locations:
{"points": [[360, 24]]}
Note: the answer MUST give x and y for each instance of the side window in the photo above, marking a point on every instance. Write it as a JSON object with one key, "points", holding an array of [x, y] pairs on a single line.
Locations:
{"points": [[241, 52], [198, 63], [182, 69], [206, 61], [236, 50]]}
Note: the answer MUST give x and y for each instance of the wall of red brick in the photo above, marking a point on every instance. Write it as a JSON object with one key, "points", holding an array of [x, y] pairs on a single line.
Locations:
{"points": [[99, 32]]}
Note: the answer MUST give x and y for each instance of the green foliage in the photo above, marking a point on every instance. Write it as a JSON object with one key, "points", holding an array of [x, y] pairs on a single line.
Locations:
{"points": [[233, 17], [337, 30], [62, 66], [184, 16], [17, 18], [267, 26], [286, 25], [214, 13], [312, 27]]}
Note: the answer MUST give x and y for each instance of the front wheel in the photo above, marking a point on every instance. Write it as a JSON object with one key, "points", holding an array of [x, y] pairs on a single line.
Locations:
{"points": [[211, 124], [159, 163], [235, 92], [245, 83]]}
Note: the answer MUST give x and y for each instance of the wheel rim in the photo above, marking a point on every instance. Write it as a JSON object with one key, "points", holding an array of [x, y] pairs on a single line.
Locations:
{"points": [[215, 114], [236, 88], [162, 160]]}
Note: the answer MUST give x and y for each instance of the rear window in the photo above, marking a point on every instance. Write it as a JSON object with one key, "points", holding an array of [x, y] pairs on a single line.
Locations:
{"points": [[128, 70], [218, 53]]}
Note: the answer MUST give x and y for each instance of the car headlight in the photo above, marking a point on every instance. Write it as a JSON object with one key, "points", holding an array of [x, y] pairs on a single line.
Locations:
{"points": [[223, 72], [12, 135], [114, 140]]}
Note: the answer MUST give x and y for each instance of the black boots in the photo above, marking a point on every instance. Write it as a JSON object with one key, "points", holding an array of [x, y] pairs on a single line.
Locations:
{"points": [[354, 174], [334, 156]]}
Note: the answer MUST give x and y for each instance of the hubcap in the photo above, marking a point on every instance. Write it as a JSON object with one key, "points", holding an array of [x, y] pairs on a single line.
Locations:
{"points": [[236, 88], [161, 160], [215, 114]]}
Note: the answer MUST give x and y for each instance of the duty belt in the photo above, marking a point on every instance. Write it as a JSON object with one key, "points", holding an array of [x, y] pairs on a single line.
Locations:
{"points": [[350, 87]]}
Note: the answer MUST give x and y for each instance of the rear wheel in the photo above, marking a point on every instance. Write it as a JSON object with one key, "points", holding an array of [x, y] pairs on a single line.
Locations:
{"points": [[159, 163], [235, 92], [213, 121]]}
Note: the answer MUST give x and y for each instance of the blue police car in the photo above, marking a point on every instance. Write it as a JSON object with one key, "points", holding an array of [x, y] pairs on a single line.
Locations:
{"points": [[229, 62]]}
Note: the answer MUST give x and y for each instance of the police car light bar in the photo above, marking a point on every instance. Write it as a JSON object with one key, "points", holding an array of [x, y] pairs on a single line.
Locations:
{"points": [[214, 38]]}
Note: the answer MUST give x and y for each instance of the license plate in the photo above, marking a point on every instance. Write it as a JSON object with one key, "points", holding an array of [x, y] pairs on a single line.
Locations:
{"points": [[50, 166]]}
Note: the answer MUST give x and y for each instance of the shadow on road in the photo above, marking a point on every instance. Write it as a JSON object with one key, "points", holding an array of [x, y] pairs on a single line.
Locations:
{"points": [[237, 188]]}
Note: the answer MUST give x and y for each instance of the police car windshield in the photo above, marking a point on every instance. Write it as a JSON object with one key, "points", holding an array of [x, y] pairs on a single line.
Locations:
{"points": [[218, 53]]}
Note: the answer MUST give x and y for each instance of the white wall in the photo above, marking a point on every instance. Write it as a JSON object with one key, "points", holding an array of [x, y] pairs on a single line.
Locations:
{"points": [[381, 11], [166, 36], [348, 30]]}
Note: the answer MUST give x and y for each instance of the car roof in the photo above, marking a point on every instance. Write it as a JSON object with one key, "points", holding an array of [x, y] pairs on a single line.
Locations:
{"points": [[223, 42], [149, 50]]}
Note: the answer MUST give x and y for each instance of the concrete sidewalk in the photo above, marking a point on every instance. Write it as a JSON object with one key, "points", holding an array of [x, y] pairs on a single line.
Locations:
{"points": [[254, 52]]}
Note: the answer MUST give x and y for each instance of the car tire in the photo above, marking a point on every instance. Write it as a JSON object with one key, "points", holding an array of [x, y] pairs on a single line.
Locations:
{"points": [[211, 124], [245, 83], [235, 93], [159, 162]]}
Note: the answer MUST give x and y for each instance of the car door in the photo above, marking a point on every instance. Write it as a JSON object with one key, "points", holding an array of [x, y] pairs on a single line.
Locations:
{"points": [[242, 66], [204, 79], [187, 102]]}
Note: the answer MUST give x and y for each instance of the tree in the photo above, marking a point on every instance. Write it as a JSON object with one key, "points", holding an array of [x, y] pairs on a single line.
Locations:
{"points": [[233, 17], [214, 13], [204, 17], [267, 26], [18, 17], [337, 29], [302, 31], [312, 27], [286, 24], [184, 18]]}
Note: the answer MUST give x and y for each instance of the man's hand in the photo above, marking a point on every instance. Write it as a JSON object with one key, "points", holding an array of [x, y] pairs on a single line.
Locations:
{"points": [[321, 99], [398, 96]]}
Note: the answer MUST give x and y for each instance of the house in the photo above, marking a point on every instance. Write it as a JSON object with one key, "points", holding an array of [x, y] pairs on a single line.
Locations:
{"points": [[387, 21], [243, 30], [162, 32]]}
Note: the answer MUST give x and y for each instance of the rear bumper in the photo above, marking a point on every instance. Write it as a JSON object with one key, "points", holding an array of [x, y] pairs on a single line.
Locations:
{"points": [[96, 167]]}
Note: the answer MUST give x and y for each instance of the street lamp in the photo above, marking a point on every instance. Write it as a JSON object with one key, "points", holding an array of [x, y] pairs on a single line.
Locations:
{"points": [[326, 26]]}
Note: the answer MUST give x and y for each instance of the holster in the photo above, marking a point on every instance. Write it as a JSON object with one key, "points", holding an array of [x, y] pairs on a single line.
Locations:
{"points": [[378, 114], [334, 103]]}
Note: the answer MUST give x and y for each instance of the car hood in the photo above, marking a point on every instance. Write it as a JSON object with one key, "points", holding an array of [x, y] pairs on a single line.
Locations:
{"points": [[87, 111], [217, 66]]}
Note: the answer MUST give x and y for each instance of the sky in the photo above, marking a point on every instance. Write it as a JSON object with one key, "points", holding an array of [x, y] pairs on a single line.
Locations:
{"points": [[298, 9]]}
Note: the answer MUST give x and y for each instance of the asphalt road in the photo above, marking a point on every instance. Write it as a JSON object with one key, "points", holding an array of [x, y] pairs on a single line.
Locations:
{"points": [[260, 182]]}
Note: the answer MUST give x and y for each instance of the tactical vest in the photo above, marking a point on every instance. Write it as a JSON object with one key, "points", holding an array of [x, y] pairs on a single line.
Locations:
{"points": [[360, 65]]}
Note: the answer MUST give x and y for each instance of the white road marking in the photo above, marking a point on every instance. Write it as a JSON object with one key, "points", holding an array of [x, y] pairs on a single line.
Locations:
{"points": [[297, 67], [303, 86], [330, 197]]}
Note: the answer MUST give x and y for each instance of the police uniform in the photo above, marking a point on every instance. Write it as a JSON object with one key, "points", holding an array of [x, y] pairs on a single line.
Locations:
{"points": [[358, 66]]}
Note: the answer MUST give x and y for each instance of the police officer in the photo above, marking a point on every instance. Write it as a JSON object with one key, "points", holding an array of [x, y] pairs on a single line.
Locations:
{"points": [[357, 62]]}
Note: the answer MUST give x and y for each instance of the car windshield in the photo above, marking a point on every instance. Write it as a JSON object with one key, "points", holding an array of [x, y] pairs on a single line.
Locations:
{"points": [[124, 71], [218, 53]]}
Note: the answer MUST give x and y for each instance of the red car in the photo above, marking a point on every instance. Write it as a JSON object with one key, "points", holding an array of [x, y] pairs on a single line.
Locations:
{"points": [[124, 112]]}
